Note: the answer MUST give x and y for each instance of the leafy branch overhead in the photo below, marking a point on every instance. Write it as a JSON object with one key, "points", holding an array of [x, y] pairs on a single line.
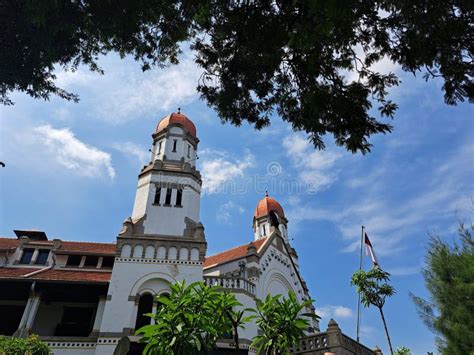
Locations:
{"points": [[311, 62]]}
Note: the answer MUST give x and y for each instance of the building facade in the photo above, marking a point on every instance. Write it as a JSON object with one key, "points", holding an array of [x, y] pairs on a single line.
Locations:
{"points": [[82, 297]]}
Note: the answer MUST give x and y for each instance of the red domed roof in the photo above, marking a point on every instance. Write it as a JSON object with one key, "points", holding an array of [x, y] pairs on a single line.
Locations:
{"points": [[267, 204], [177, 118]]}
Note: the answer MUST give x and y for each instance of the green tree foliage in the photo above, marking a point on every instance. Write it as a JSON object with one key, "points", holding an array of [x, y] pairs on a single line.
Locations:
{"points": [[15, 346], [189, 320], [449, 278], [233, 313], [402, 350], [281, 322], [292, 57], [374, 289]]}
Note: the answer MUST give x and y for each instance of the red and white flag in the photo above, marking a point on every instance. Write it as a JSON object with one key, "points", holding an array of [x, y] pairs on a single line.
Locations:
{"points": [[369, 250]]}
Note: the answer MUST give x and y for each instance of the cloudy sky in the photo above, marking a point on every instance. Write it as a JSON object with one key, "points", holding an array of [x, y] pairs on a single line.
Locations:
{"points": [[72, 168]]}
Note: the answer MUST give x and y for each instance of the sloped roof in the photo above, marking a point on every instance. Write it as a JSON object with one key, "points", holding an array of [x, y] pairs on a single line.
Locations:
{"points": [[266, 205], [55, 275], [232, 254], [7, 243], [67, 246], [87, 247], [177, 118]]}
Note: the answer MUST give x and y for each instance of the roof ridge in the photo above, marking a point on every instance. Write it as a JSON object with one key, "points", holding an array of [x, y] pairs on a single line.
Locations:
{"points": [[83, 242], [238, 246]]}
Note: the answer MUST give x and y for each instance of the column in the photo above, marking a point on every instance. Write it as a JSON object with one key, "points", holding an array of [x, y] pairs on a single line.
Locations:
{"points": [[26, 312], [33, 311], [34, 256], [153, 310], [98, 315], [134, 312], [28, 317]]}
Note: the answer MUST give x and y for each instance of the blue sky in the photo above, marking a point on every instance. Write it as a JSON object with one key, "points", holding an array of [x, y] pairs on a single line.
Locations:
{"points": [[72, 168]]}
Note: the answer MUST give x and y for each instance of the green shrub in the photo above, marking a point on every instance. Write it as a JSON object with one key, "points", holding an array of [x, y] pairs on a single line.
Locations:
{"points": [[19, 346]]}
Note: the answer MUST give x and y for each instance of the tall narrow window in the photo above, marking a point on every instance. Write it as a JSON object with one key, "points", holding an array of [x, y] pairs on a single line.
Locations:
{"points": [[175, 143], [159, 148], [156, 201], [168, 196], [42, 257], [189, 151], [179, 197], [26, 256], [264, 230]]}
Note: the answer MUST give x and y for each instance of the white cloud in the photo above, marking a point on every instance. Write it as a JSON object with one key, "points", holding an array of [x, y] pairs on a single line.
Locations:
{"points": [[316, 168], [219, 174], [73, 154], [404, 270], [336, 312], [228, 211], [133, 151], [126, 93], [378, 198]]}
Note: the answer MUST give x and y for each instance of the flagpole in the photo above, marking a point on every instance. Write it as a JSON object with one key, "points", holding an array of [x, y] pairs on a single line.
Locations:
{"points": [[358, 297]]}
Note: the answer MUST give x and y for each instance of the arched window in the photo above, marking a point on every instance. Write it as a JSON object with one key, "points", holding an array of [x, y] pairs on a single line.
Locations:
{"points": [[161, 252], [126, 251], [138, 251], [183, 254], [172, 253], [150, 252], [194, 254], [274, 219], [145, 305]]}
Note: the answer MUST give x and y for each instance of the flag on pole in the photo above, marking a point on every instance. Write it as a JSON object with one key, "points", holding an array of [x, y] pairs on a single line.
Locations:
{"points": [[369, 250]]}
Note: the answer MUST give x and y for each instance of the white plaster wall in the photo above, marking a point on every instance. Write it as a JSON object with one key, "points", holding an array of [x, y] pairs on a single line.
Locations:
{"points": [[128, 278], [72, 351], [251, 328], [103, 349], [223, 268], [277, 278], [141, 197], [169, 220]]}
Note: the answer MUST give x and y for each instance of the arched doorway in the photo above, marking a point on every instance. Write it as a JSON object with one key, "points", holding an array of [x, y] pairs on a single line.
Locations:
{"points": [[145, 305]]}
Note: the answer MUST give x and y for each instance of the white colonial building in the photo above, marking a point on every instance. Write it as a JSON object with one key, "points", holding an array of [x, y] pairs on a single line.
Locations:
{"points": [[83, 297]]}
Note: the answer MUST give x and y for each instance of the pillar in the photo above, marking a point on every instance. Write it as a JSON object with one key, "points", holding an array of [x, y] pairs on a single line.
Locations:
{"points": [[33, 311], [98, 315], [34, 256], [153, 310], [28, 317]]}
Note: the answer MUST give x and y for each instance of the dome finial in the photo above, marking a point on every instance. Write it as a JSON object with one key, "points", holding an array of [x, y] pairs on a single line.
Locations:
{"points": [[179, 109], [266, 193]]}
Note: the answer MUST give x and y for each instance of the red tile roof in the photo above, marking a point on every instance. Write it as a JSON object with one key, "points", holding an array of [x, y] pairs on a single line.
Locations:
{"points": [[7, 243], [232, 254], [178, 118], [67, 246], [267, 204], [14, 273], [55, 275], [86, 247]]}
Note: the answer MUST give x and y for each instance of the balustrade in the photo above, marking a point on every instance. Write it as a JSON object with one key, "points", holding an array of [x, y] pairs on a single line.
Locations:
{"points": [[230, 283]]}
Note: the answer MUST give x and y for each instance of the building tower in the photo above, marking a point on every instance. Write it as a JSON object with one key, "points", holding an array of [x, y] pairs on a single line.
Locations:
{"points": [[270, 217], [163, 241]]}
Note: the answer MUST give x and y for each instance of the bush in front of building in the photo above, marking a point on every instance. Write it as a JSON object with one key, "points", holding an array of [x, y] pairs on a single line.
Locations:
{"points": [[23, 346]]}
